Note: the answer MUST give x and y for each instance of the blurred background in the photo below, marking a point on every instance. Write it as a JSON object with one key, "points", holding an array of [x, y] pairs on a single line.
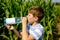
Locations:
{"points": [[18, 8]]}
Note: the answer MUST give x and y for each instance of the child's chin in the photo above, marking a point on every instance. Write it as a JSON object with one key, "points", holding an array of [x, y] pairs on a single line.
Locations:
{"points": [[30, 22]]}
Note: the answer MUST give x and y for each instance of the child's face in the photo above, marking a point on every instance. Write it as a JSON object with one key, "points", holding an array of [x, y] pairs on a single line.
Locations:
{"points": [[31, 18]]}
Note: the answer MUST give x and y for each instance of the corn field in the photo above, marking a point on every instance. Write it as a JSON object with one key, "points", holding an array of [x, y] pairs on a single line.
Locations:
{"points": [[18, 8]]}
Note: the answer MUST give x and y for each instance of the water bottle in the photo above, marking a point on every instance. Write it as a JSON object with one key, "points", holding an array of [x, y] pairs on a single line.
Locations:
{"points": [[13, 20]]}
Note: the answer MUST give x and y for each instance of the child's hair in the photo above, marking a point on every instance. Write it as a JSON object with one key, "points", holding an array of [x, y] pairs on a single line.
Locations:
{"points": [[37, 11]]}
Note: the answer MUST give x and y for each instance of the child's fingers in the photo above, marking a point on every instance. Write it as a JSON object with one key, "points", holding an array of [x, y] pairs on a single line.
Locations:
{"points": [[8, 26]]}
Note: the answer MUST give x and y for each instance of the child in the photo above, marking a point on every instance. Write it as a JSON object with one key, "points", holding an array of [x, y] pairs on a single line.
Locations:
{"points": [[31, 30]]}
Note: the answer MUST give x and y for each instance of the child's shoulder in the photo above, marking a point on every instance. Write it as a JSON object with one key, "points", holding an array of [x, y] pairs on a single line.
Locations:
{"points": [[39, 25]]}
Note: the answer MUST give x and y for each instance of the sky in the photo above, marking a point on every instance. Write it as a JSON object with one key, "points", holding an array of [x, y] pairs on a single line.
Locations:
{"points": [[58, 1], [54, 1]]}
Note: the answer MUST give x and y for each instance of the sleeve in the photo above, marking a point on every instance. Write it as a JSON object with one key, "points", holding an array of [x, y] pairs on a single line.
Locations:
{"points": [[37, 33]]}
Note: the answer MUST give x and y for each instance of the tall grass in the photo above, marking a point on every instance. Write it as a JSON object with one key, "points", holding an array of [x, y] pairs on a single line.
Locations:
{"points": [[18, 8]]}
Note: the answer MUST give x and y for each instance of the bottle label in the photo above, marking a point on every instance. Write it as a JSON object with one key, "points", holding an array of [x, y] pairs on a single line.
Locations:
{"points": [[10, 21]]}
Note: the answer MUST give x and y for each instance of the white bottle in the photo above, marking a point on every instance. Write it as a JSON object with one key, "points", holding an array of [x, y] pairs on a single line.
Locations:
{"points": [[13, 20]]}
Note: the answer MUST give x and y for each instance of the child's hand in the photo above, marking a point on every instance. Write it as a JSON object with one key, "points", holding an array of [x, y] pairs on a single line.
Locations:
{"points": [[24, 21], [10, 27]]}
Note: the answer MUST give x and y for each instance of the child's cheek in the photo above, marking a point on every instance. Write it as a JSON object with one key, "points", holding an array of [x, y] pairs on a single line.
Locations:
{"points": [[30, 20]]}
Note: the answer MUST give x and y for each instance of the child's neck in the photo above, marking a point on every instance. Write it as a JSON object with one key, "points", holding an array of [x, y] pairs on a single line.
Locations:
{"points": [[33, 24]]}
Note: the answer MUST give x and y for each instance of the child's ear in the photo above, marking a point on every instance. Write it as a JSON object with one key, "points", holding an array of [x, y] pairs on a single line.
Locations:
{"points": [[36, 18]]}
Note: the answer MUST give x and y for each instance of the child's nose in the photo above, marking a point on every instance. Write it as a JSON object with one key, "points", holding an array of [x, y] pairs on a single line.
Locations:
{"points": [[27, 16]]}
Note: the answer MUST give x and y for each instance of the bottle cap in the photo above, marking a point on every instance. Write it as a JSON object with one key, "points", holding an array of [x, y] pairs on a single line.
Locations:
{"points": [[4, 21]]}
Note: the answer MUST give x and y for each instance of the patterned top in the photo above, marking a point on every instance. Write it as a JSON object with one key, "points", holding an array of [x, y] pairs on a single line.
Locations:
{"points": [[36, 31]]}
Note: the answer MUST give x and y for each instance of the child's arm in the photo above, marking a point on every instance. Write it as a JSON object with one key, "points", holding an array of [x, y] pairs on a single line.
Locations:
{"points": [[25, 35], [17, 33], [14, 30]]}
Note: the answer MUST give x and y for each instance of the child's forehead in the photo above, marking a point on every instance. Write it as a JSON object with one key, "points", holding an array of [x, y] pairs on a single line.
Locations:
{"points": [[30, 14]]}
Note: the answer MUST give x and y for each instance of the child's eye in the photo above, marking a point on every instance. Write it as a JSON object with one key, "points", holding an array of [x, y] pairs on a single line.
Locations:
{"points": [[28, 15]]}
